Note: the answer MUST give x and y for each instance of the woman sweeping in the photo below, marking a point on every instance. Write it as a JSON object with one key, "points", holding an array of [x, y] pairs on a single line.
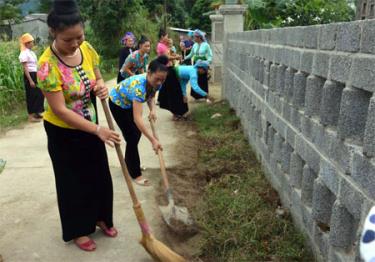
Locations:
{"points": [[34, 96], [170, 96], [126, 104], [136, 62], [68, 72], [201, 51], [128, 42]]}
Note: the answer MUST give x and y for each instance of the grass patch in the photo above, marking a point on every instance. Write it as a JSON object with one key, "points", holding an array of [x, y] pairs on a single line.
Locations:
{"points": [[237, 208], [14, 118], [109, 69]]}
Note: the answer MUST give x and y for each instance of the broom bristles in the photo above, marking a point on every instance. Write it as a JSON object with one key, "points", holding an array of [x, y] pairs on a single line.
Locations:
{"points": [[159, 251]]}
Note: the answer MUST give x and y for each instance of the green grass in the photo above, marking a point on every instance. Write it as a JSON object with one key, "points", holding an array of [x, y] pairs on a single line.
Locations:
{"points": [[237, 210], [109, 69]]}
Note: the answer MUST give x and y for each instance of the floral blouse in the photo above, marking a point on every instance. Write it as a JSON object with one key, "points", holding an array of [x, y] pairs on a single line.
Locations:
{"points": [[55, 76], [139, 66], [131, 89]]}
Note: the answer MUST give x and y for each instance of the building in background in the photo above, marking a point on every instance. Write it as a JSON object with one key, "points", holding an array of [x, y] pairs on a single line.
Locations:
{"points": [[365, 9]]}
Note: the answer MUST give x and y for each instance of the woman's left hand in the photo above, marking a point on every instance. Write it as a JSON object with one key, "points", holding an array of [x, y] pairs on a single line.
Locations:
{"points": [[152, 115], [100, 89]]}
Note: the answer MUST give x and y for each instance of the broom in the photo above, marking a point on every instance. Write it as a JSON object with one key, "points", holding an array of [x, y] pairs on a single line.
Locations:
{"points": [[157, 250]]}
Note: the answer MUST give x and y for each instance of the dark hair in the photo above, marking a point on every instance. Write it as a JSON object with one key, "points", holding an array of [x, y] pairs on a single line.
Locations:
{"points": [[64, 14], [162, 33], [142, 40], [159, 64]]}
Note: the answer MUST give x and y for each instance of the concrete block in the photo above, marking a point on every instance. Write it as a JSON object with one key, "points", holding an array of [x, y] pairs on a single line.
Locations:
{"points": [[286, 111], [290, 136], [280, 79], [295, 118], [327, 39], [368, 37], [310, 36], [277, 146], [299, 88], [314, 86], [330, 106], [363, 73], [295, 59], [342, 153], [348, 37], [266, 73], [261, 70], [296, 170], [329, 176], [307, 61], [279, 54], [321, 240], [353, 114], [307, 220], [273, 76], [323, 200], [286, 152], [343, 227], [321, 65], [270, 137], [308, 178], [363, 173], [340, 67], [307, 153], [369, 139], [295, 36], [351, 198], [289, 82]]}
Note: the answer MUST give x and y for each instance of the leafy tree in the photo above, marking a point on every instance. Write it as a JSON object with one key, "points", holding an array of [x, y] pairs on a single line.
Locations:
{"points": [[45, 6], [9, 9], [197, 19]]}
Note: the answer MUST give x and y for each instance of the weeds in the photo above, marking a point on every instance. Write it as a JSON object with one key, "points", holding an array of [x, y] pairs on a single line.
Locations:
{"points": [[237, 210]]}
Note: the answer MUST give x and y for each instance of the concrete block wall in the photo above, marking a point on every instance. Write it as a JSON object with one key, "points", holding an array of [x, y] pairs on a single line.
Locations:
{"points": [[305, 96]]}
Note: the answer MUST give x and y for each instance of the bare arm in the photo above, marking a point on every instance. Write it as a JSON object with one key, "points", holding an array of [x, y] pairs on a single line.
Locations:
{"points": [[127, 68], [152, 107], [27, 74]]}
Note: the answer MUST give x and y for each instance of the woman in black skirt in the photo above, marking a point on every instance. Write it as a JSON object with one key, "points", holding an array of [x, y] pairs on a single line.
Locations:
{"points": [[68, 73], [34, 96]]}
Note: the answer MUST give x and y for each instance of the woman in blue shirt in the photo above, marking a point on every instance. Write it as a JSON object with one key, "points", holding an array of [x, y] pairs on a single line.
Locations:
{"points": [[201, 51], [126, 104]]}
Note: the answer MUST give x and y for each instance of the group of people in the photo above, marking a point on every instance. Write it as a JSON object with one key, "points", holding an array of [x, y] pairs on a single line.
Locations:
{"points": [[68, 77]]}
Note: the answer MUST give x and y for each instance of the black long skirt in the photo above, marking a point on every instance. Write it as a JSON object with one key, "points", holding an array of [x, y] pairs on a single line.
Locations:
{"points": [[170, 95], [34, 96], [203, 84], [83, 180]]}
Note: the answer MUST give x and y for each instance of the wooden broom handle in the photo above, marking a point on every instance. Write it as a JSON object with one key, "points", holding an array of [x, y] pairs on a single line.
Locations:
{"points": [[161, 158], [120, 156]]}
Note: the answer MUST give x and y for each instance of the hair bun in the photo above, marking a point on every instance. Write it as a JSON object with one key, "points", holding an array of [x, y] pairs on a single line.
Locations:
{"points": [[162, 59], [65, 7]]}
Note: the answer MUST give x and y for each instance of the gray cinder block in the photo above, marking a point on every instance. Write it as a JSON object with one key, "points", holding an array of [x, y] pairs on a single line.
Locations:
{"points": [[273, 76], [307, 61], [340, 67], [266, 73], [321, 64], [310, 38], [363, 73], [353, 113], [368, 37], [280, 79], [351, 198], [286, 152], [288, 83], [363, 173], [348, 37], [329, 176], [277, 145], [323, 200], [296, 170], [314, 86], [299, 90], [308, 178], [330, 106], [327, 39], [369, 140]]}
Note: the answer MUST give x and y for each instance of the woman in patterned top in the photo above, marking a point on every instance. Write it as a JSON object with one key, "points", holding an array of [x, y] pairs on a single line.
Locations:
{"points": [[128, 42], [201, 51], [68, 73], [126, 104], [136, 62]]}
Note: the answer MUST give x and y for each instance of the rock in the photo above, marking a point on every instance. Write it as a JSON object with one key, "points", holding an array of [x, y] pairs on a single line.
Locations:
{"points": [[217, 115]]}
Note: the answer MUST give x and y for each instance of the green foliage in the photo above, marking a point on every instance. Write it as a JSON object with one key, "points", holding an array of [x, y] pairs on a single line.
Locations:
{"points": [[237, 208], [11, 78], [9, 10], [176, 12], [276, 13], [45, 6], [196, 17]]}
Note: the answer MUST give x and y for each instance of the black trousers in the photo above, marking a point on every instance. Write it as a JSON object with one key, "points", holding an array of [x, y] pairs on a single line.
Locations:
{"points": [[34, 96], [83, 180], [203, 83], [125, 121]]}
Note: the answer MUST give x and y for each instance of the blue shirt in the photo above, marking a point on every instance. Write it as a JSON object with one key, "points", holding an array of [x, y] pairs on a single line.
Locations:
{"points": [[186, 73], [131, 89]]}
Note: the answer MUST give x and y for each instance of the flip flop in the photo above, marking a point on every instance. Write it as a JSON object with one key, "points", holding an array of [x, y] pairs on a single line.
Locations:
{"points": [[142, 182], [89, 245]]}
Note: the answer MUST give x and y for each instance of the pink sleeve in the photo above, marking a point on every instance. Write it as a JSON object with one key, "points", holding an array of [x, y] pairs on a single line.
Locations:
{"points": [[161, 49]]}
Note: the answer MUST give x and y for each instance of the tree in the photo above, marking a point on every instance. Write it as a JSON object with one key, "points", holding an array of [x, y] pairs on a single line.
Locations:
{"points": [[9, 10], [197, 19], [45, 6], [176, 11]]}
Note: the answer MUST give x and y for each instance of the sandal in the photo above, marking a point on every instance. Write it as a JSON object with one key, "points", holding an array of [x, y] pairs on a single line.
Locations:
{"points": [[142, 182], [89, 245], [110, 232]]}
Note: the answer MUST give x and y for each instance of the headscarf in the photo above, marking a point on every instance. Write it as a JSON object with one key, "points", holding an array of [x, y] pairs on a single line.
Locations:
{"points": [[128, 35], [202, 64], [200, 34], [25, 38], [190, 34]]}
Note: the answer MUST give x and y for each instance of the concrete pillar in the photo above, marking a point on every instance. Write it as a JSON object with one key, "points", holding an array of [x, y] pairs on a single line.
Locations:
{"points": [[217, 36]]}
